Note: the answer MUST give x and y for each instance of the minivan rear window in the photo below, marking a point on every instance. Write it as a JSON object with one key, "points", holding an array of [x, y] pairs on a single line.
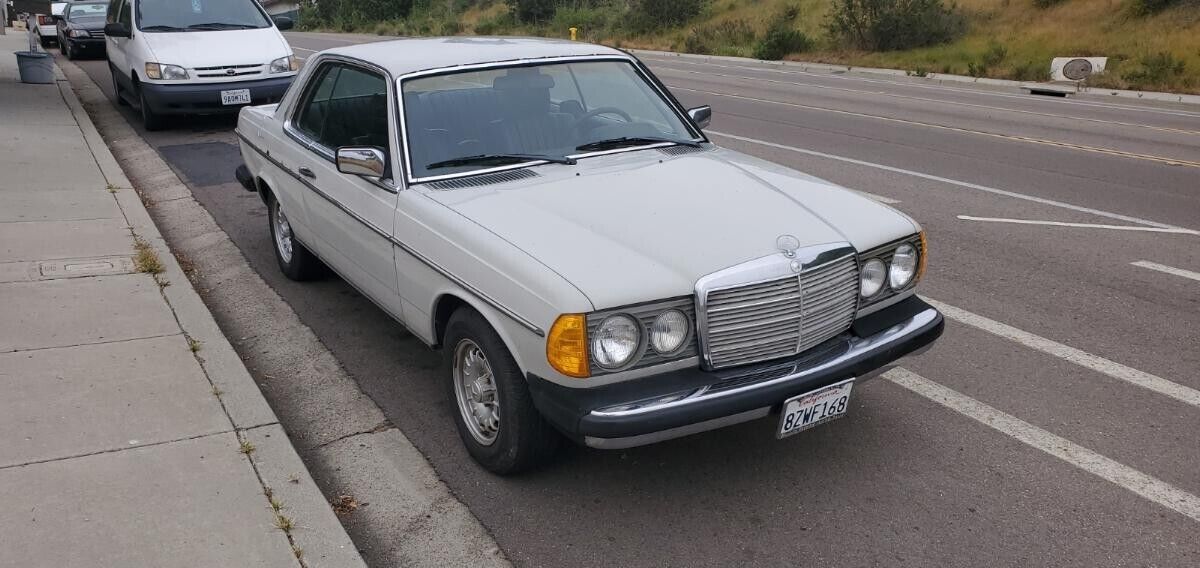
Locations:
{"points": [[199, 15]]}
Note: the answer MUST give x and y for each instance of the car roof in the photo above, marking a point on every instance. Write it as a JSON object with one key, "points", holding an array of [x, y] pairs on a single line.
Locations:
{"points": [[409, 55]]}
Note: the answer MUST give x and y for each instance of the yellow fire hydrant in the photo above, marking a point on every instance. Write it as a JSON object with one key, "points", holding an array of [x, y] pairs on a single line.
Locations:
{"points": [[573, 32]]}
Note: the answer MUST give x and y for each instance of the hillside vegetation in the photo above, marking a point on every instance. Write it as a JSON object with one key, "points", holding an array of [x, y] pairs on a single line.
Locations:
{"points": [[1152, 44]]}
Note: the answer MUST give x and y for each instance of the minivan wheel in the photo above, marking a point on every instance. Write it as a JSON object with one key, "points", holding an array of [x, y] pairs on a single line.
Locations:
{"points": [[493, 410], [295, 261], [117, 90], [150, 120]]}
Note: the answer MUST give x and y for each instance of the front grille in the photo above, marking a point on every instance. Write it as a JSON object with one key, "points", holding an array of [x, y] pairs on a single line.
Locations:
{"points": [[224, 67], [97, 33], [782, 316]]}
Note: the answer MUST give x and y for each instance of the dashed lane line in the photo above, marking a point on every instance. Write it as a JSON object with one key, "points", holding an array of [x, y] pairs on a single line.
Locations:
{"points": [[1167, 269], [1144, 485], [1078, 225], [968, 185]]}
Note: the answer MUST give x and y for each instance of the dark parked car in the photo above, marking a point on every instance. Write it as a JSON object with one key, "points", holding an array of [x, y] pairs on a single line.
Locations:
{"points": [[81, 29]]}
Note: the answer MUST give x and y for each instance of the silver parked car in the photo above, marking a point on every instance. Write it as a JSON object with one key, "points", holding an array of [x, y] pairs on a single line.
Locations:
{"points": [[547, 214]]}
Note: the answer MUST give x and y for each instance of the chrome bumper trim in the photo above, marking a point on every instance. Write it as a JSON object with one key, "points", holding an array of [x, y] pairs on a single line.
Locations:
{"points": [[858, 348], [663, 435]]}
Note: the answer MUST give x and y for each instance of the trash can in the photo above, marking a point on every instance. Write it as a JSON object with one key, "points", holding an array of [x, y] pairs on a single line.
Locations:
{"points": [[35, 67]]}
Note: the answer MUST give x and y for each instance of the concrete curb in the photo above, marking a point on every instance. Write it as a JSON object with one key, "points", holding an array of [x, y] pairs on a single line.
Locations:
{"points": [[319, 533], [935, 78]]}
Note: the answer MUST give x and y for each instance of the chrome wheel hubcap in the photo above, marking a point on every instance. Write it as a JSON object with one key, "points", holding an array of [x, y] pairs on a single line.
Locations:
{"points": [[283, 234], [475, 390]]}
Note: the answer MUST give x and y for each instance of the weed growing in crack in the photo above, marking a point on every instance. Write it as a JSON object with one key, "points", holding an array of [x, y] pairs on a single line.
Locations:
{"points": [[145, 259], [246, 447], [194, 346], [283, 523]]}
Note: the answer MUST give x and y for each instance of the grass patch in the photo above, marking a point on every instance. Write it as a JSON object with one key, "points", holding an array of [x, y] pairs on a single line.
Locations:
{"points": [[194, 346], [145, 258], [284, 523], [246, 447]]}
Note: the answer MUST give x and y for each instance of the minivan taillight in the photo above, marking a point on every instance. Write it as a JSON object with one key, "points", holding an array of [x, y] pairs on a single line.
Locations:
{"points": [[44, 20]]}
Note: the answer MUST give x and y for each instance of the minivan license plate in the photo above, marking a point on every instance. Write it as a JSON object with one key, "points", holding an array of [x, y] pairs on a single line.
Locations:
{"points": [[235, 97], [815, 408]]}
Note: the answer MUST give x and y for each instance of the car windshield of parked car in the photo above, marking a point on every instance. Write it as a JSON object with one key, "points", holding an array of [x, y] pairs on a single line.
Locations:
{"points": [[474, 120], [87, 13], [199, 15]]}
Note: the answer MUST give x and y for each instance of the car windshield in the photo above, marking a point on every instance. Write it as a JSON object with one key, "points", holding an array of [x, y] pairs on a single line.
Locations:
{"points": [[199, 15], [85, 13], [471, 120]]}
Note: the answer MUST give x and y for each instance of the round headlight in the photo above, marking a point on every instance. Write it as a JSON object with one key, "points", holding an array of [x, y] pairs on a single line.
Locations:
{"points": [[904, 267], [870, 282], [668, 331], [616, 341]]}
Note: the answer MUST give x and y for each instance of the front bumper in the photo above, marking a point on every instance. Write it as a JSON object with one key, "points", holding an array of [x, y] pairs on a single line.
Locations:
{"points": [[679, 403], [205, 98], [86, 44]]}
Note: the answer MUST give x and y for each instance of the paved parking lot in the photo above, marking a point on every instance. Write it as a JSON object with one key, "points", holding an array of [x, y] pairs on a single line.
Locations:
{"points": [[1054, 423]]}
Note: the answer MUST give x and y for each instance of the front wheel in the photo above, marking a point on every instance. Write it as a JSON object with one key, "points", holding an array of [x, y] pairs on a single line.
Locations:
{"points": [[494, 411], [295, 261], [66, 50], [151, 120], [117, 90]]}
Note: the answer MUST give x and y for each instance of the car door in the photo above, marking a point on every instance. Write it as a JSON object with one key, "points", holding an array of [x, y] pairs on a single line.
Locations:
{"points": [[115, 47], [351, 216]]}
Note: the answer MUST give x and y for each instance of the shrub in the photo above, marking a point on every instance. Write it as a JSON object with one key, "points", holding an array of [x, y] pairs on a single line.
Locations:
{"points": [[1046, 3], [891, 25], [782, 37], [590, 21], [1147, 7], [656, 15], [994, 55], [1159, 69], [1031, 71], [532, 11]]}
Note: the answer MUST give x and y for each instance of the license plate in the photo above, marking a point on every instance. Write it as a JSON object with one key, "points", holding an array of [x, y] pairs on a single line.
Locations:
{"points": [[815, 408], [235, 97]]}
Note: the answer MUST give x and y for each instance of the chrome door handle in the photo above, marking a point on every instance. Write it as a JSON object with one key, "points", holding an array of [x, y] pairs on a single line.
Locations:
{"points": [[307, 173]]}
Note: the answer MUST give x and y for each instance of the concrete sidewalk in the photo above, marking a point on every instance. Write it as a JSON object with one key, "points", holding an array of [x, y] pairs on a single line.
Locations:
{"points": [[130, 432]]}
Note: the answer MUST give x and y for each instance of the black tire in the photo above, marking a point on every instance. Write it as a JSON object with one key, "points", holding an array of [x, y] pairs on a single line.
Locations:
{"points": [[65, 48], [524, 439], [151, 120], [45, 41], [117, 90], [302, 264]]}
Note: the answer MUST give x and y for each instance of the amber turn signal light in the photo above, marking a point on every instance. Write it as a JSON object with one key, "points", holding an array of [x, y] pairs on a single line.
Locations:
{"points": [[566, 346], [921, 260]]}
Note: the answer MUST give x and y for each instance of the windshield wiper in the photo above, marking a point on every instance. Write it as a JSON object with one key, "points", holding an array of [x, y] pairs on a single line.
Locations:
{"points": [[499, 159], [221, 26], [162, 28], [626, 141]]}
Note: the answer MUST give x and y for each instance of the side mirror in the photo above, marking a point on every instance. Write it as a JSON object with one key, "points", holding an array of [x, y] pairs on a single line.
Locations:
{"points": [[283, 22], [116, 29], [361, 161], [702, 116]]}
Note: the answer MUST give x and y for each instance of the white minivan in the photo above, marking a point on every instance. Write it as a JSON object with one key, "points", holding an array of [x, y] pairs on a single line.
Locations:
{"points": [[173, 57]]}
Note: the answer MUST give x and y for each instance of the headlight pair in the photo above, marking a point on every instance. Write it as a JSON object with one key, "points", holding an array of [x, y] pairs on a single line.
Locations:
{"points": [[620, 339], [895, 267]]}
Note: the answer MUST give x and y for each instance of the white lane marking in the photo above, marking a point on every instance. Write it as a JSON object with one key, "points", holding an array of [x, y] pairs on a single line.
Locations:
{"points": [[1084, 359], [1167, 269], [1027, 98], [294, 48], [879, 198], [939, 101], [1080, 225], [949, 181], [1009, 137], [1146, 486]]}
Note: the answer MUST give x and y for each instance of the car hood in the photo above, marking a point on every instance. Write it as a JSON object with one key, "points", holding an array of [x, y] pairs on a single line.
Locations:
{"points": [[643, 225], [217, 48]]}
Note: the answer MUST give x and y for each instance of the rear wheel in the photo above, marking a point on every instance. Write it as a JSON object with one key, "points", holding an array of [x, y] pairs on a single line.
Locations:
{"points": [[295, 261], [494, 411]]}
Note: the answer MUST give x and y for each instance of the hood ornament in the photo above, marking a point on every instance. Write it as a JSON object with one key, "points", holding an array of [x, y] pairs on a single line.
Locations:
{"points": [[787, 244]]}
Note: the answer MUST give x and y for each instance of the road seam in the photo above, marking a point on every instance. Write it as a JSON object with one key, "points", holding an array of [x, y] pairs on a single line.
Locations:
{"points": [[1146, 486], [117, 450]]}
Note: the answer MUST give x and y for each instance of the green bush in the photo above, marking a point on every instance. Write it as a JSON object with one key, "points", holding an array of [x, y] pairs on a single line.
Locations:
{"points": [[1046, 3], [1147, 7], [1031, 71], [782, 37], [892, 25], [1157, 69], [655, 15], [532, 11], [591, 21]]}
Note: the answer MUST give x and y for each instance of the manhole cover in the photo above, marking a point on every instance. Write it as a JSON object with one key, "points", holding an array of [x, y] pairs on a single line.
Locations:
{"points": [[81, 267], [1077, 69]]}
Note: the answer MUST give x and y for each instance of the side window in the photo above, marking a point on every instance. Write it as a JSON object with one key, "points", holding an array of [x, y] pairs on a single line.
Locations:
{"points": [[357, 110], [114, 9], [314, 107], [126, 14]]}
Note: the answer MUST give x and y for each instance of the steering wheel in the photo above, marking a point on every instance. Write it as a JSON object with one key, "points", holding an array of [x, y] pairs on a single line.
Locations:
{"points": [[605, 110]]}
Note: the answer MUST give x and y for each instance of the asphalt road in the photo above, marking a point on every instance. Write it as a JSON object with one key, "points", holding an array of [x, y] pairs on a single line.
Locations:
{"points": [[1054, 424]]}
